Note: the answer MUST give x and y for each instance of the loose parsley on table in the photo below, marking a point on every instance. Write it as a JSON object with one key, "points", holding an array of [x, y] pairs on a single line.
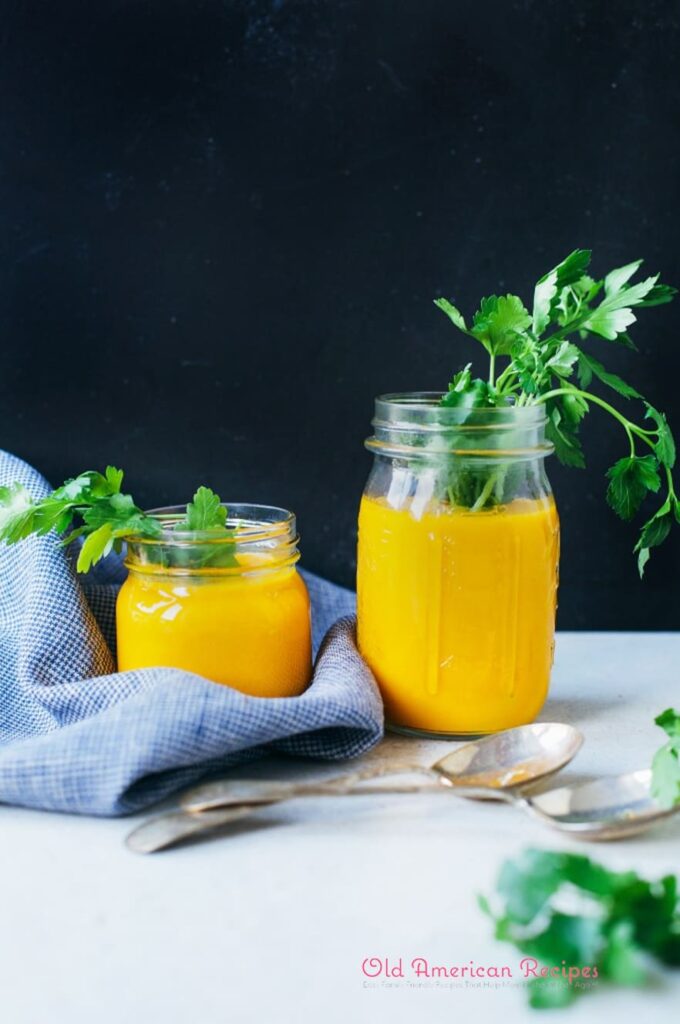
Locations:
{"points": [[545, 352], [566, 910], [666, 763], [92, 506]]}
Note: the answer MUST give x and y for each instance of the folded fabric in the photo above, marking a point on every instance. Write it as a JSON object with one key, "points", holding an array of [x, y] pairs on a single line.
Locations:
{"points": [[77, 736]]}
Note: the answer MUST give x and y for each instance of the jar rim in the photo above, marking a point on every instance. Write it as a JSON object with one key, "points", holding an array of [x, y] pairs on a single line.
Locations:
{"points": [[249, 523], [429, 401], [414, 424]]}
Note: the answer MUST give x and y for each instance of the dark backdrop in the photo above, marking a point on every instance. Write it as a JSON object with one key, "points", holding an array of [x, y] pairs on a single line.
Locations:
{"points": [[224, 223]]}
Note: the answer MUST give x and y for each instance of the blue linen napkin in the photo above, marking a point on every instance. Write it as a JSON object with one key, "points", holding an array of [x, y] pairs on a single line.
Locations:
{"points": [[77, 736]]}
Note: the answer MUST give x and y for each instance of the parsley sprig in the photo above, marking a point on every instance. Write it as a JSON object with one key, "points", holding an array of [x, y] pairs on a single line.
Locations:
{"points": [[666, 763], [567, 911], [92, 506], [545, 353]]}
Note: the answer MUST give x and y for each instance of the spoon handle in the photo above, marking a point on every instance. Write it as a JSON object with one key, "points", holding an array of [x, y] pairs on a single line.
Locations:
{"points": [[233, 792], [167, 830]]}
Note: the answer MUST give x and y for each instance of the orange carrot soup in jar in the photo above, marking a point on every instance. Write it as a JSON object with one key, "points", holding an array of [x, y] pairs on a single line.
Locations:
{"points": [[457, 565], [229, 606]]}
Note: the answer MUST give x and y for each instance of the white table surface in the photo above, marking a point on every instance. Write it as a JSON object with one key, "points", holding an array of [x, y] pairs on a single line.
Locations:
{"points": [[271, 924]]}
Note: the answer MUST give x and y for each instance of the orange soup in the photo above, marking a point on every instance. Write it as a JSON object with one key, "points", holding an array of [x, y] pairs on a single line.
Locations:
{"points": [[456, 612], [249, 629]]}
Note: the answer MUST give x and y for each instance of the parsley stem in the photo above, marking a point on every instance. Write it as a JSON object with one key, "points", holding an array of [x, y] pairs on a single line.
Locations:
{"points": [[502, 387], [502, 375], [568, 329], [630, 427], [484, 493], [492, 368], [631, 442], [589, 397]]}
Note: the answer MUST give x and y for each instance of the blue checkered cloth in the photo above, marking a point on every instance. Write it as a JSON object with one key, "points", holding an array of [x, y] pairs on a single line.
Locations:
{"points": [[77, 736]]}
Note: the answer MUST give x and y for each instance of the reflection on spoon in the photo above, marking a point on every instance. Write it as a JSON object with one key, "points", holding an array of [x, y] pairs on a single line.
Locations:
{"points": [[610, 808]]}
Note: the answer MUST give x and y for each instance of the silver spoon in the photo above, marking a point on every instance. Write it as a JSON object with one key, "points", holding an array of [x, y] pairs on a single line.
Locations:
{"points": [[497, 766], [504, 760], [609, 808]]}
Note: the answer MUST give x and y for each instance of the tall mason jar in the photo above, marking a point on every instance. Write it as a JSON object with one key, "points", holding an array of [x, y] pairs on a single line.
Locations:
{"points": [[229, 607], [457, 565]]}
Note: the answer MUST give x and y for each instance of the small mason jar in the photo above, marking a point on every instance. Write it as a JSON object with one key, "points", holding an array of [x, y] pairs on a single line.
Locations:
{"points": [[457, 565], [231, 608]]}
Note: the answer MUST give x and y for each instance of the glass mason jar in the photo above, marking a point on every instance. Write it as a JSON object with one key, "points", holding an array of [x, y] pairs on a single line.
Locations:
{"points": [[230, 608], [457, 565]]}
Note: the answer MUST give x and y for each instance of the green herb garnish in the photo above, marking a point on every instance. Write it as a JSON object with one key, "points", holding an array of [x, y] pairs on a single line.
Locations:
{"points": [[567, 911], [666, 763], [92, 506], [204, 512], [545, 350]]}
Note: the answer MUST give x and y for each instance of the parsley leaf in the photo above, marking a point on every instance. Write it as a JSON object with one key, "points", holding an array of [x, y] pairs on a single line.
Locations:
{"points": [[630, 480], [114, 478], [666, 776], [669, 721], [120, 513], [105, 517], [496, 324], [643, 558], [666, 763], [573, 407], [207, 515], [17, 513], [614, 314], [467, 395], [567, 911], [588, 366], [453, 314], [498, 321], [561, 432], [568, 272], [562, 362], [204, 512], [653, 533], [659, 296], [617, 279], [97, 545], [665, 445]]}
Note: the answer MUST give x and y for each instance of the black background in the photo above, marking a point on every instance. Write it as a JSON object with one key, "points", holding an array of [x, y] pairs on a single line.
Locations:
{"points": [[224, 224]]}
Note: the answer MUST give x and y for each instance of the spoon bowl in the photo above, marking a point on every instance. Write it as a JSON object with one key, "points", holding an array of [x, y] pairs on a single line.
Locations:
{"points": [[610, 808], [509, 760]]}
